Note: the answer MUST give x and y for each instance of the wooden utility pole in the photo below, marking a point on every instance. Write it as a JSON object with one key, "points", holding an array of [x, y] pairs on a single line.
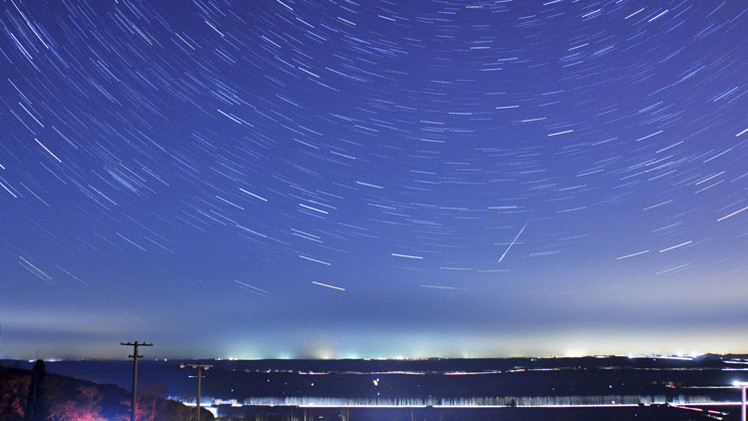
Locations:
{"points": [[742, 386], [200, 368], [134, 357]]}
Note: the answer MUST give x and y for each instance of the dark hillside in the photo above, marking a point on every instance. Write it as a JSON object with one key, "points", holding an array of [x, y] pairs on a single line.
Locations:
{"points": [[64, 398]]}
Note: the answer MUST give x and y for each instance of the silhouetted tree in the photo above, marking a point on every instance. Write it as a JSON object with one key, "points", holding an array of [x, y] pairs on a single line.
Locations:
{"points": [[35, 408], [86, 408]]}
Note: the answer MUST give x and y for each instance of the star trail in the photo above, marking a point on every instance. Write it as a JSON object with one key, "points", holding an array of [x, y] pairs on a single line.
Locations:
{"points": [[373, 179]]}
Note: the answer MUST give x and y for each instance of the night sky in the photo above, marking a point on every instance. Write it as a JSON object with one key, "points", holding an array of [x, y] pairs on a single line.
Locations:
{"points": [[333, 178]]}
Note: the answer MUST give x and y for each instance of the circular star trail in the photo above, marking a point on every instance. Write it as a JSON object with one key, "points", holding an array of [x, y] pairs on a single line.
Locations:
{"points": [[421, 178]]}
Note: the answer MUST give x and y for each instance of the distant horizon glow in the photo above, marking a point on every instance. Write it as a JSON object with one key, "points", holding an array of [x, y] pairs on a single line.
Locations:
{"points": [[563, 343], [425, 179]]}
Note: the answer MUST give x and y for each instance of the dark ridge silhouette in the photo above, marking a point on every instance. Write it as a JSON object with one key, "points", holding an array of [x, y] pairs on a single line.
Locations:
{"points": [[36, 395]]}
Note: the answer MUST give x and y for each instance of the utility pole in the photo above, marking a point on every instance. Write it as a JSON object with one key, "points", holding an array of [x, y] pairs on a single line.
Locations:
{"points": [[200, 368], [742, 386], [134, 357]]}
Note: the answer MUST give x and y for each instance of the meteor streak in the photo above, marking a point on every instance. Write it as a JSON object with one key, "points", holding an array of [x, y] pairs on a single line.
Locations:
{"points": [[328, 286], [512, 243]]}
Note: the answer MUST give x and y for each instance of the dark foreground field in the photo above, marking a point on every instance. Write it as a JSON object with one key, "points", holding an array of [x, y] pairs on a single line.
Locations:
{"points": [[660, 413], [590, 388]]}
